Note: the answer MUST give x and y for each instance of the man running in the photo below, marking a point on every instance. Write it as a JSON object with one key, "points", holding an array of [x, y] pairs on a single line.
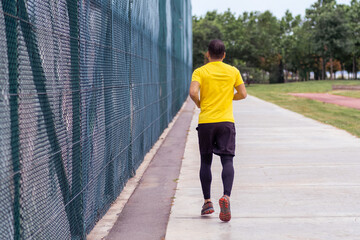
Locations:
{"points": [[216, 130]]}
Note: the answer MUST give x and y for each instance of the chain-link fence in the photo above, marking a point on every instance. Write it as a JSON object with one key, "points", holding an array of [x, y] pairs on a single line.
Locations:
{"points": [[87, 87]]}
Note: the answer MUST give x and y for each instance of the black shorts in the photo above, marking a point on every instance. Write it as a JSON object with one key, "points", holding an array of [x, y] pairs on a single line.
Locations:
{"points": [[218, 138]]}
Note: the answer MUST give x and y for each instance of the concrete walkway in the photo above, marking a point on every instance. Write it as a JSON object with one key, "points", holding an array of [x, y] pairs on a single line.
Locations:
{"points": [[295, 178]]}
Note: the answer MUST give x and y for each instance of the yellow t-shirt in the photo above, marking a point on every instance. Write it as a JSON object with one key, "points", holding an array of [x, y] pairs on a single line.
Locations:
{"points": [[217, 82]]}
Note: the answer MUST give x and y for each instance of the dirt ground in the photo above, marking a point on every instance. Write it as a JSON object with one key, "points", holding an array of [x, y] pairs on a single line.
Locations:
{"points": [[329, 98]]}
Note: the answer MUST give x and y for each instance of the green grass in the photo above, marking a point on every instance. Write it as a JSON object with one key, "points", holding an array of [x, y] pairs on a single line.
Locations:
{"points": [[353, 94], [340, 117]]}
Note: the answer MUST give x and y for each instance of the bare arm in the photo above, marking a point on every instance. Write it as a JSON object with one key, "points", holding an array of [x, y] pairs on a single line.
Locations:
{"points": [[194, 92], [240, 92]]}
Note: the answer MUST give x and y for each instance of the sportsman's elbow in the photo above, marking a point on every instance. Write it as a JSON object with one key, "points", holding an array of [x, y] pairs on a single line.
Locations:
{"points": [[239, 96], [240, 93], [193, 93], [244, 95], [194, 90]]}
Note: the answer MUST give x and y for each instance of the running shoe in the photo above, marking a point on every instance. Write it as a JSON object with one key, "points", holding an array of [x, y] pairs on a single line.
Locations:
{"points": [[207, 208], [225, 213]]}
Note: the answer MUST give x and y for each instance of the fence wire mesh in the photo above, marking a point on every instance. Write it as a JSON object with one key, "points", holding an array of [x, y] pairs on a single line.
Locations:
{"points": [[87, 87]]}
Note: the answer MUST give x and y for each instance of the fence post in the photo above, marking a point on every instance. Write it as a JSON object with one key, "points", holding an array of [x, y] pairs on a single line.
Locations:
{"points": [[76, 205], [9, 7]]}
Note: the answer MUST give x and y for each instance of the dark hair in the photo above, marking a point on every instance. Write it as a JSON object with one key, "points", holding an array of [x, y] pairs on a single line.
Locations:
{"points": [[216, 49]]}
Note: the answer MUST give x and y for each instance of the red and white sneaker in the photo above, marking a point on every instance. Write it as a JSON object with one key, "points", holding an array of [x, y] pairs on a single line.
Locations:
{"points": [[207, 208], [225, 213]]}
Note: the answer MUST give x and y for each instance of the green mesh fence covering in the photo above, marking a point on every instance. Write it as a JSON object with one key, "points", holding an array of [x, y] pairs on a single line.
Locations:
{"points": [[87, 87]]}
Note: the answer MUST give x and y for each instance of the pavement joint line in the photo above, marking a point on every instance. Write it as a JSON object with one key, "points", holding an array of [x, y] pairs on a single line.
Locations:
{"points": [[286, 185], [295, 186], [106, 223], [298, 166], [277, 217]]}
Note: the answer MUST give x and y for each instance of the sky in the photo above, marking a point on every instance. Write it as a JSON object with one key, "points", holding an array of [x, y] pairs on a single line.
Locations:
{"points": [[277, 7]]}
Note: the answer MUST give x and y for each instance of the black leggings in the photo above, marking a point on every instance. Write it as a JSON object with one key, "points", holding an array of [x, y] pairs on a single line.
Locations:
{"points": [[206, 177]]}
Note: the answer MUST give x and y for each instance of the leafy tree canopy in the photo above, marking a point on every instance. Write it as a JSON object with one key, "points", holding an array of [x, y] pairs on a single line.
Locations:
{"points": [[326, 39]]}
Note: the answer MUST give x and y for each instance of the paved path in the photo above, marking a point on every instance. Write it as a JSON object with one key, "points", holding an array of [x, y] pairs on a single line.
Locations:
{"points": [[295, 179], [330, 98]]}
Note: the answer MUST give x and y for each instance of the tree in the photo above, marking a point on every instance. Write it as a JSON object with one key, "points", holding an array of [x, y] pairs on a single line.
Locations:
{"points": [[354, 20], [263, 37], [233, 34], [204, 29], [327, 38], [288, 41], [327, 25]]}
